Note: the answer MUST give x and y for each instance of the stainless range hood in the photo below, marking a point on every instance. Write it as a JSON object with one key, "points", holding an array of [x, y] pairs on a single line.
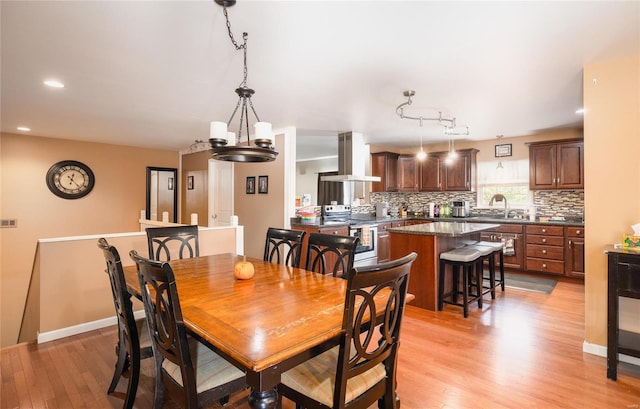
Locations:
{"points": [[352, 157]]}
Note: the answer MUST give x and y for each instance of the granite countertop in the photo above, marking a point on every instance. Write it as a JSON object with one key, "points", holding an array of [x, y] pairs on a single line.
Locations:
{"points": [[366, 219], [448, 229]]}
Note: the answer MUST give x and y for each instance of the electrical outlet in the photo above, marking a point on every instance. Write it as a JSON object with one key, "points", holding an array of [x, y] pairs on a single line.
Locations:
{"points": [[9, 223]]}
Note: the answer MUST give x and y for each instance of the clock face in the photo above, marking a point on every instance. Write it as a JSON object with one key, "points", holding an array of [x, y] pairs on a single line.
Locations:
{"points": [[70, 179]]}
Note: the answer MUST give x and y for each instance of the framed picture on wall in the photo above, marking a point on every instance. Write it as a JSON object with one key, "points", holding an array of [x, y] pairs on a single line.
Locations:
{"points": [[189, 182], [251, 185], [263, 184], [503, 150]]}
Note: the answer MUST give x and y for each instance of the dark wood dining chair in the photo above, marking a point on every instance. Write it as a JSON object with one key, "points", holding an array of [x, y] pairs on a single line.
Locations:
{"points": [[331, 254], [134, 343], [166, 243], [362, 368], [284, 246], [184, 365]]}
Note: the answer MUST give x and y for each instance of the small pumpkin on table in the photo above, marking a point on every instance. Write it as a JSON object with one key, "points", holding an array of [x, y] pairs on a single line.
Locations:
{"points": [[243, 270]]}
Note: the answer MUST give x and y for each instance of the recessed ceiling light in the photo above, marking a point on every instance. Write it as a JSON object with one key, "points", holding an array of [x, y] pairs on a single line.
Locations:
{"points": [[580, 111], [23, 128], [54, 84]]}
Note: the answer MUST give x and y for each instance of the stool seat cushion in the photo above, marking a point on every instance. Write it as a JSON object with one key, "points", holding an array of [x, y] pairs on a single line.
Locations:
{"points": [[493, 244], [484, 250], [463, 254]]}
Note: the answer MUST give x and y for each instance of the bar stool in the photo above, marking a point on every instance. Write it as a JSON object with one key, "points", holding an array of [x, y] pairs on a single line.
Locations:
{"points": [[467, 258], [486, 253], [497, 251]]}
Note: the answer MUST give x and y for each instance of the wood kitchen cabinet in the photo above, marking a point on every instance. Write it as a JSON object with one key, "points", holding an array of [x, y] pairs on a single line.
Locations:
{"points": [[545, 249], [556, 165], [574, 252], [458, 176], [408, 171], [514, 232], [461, 174], [384, 247], [431, 173], [385, 165]]}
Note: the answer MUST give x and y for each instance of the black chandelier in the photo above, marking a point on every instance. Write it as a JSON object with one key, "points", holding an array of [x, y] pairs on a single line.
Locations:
{"points": [[224, 145]]}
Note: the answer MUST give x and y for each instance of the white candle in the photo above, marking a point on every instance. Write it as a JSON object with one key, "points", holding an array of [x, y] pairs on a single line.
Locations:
{"points": [[231, 138], [194, 219], [218, 130], [263, 131], [165, 217]]}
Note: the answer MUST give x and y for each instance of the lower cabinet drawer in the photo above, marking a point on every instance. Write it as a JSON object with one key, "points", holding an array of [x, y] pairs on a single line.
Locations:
{"points": [[545, 266], [548, 252]]}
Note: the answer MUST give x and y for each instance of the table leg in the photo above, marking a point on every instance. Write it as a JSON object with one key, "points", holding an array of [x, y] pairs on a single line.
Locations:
{"points": [[263, 399]]}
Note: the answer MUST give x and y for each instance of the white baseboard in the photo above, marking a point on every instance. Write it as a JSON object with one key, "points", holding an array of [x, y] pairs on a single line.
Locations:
{"points": [[81, 328], [600, 350]]}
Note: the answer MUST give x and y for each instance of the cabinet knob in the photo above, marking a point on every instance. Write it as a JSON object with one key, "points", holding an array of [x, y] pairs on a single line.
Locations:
{"points": [[544, 251], [335, 232], [544, 230], [578, 232], [544, 240], [544, 266], [570, 243]]}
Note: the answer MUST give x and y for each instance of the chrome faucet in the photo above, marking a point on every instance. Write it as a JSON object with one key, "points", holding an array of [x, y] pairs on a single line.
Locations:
{"points": [[498, 197]]}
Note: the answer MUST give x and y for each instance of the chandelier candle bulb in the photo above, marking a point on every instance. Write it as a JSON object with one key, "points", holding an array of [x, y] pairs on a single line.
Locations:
{"points": [[231, 138], [263, 131], [218, 130]]}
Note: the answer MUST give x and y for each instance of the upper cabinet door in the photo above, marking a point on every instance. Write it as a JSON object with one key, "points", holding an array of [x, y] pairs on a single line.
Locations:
{"points": [[570, 166], [542, 167], [385, 165], [431, 174], [460, 175], [407, 173]]}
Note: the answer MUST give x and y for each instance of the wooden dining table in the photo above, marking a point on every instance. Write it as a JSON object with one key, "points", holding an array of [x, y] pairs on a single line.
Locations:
{"points": [[265, 325]]}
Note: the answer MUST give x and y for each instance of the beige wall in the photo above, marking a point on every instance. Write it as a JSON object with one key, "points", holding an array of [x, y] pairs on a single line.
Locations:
{"points": [[258, 212], [113, 206], [612, 188], [74, 289]]}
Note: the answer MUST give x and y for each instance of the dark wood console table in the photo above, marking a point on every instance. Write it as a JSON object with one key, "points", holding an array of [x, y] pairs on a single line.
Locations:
{"points": [[623, 281]]}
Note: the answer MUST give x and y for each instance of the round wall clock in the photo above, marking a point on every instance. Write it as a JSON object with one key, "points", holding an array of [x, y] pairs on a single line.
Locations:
{"points": [[70, 179]]}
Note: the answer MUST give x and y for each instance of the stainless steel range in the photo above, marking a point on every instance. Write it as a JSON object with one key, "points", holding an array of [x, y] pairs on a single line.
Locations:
{"points": [[367, 249]]}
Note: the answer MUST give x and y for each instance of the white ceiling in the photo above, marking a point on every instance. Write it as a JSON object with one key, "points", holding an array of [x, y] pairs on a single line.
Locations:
{"points": [[152, 73]]}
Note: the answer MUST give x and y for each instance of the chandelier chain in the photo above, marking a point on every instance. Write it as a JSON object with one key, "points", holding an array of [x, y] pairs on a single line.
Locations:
{"points": [[238, 47]]}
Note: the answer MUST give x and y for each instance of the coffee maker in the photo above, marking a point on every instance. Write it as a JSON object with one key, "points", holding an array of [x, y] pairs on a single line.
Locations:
{"points": [[460, 208]]}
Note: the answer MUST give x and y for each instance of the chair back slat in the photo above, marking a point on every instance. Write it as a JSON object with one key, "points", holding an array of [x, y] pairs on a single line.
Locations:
{"points": [[166, 243], [283, 246], [331, 254]]}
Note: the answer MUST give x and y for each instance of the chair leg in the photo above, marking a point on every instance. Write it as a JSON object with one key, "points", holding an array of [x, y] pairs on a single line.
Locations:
{"points": [[501, 270], [441, 285], [492, 275], [134, 376], [456, 284], [478, 281], [121, 352], [159, 391], [465, 291]]}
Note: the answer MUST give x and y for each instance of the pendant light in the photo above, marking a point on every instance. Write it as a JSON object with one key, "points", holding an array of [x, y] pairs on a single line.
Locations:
{"points": [[421, 155], [224, 145]]}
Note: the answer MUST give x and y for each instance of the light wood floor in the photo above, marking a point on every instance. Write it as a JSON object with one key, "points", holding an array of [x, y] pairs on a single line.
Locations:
{"points": [[523, 350]]}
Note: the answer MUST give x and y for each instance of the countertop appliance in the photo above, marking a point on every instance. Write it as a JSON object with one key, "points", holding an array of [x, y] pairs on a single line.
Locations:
{"points": [[460, 208], [382, 209]]}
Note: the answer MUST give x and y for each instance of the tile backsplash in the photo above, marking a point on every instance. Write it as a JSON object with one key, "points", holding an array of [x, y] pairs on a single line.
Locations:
{"points": [[567, 203]]}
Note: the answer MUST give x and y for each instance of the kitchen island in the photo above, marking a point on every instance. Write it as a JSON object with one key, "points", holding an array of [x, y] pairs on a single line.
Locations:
{"points": [[429, 240]]}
